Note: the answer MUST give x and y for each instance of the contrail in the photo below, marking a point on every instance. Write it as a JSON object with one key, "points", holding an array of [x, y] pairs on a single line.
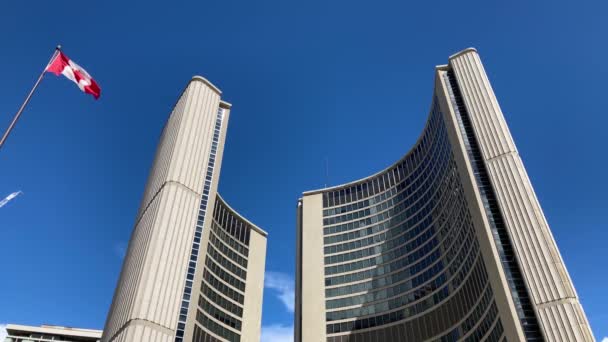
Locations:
{"points": [[9, 197]]}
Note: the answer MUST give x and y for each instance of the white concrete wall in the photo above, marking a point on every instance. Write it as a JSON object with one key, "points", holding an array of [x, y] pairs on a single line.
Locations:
{"points": [[148, 295], [254, 288], [559, 311], [311, 268]]}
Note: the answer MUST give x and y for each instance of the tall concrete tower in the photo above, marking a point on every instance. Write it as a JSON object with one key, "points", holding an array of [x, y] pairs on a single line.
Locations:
{"points": [[194, 269], [447, 244]]}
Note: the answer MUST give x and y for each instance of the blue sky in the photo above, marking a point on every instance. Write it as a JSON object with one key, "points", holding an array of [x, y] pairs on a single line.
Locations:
{"points": [[345, 82]]}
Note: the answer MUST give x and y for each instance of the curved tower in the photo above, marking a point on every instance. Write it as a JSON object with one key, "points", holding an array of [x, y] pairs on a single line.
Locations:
{"points": [[447, 244], [194, 268]]}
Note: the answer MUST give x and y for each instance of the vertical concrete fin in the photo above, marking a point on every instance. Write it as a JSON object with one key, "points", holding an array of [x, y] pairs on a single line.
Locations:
{"points": [[147, 298], [550, 286]]}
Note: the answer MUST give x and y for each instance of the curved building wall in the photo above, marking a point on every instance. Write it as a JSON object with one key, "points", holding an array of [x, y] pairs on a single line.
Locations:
{"points": [[417, 252], [230, 298], [400, 253]]}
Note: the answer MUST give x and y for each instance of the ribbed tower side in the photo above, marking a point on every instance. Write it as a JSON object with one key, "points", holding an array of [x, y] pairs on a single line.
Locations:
{"points": [[164, 152], [254, 291], [146, 302], [297, 317], [554, 297]]}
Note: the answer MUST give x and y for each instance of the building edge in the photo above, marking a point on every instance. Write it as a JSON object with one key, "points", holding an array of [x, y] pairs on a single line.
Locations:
{"points": [[572, 316]]}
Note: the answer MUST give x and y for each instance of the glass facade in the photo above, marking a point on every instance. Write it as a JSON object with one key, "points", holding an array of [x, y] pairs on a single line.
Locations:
{"points": [[220, 306], [450, 243], [402, 261]]}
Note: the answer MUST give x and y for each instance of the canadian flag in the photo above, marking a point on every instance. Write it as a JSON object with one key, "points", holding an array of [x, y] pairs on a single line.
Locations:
{"points": [[61, 64]]}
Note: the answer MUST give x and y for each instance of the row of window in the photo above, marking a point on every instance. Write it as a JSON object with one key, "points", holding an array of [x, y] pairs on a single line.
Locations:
{"points": [[432, 279], [442, 317], [474, 317], [231, 222], [227, 251], [218, 314], [399, 213], [227, 264], [402, 200], [412, 243], [394, 266], [496, 334], [200, 335], [231, 241], [413, 191], [394, 333], [367, 201], [401, 265], [429, 199], [183, 315], [221, 301], [457, 269], [394, 316], [387, 179], [225, 276], [471, 320], [379, 252], [223, 288], [488, 322], [408, 186], [398, 295], [399, 258], [217, 328], [388, 254], [395, 226]]}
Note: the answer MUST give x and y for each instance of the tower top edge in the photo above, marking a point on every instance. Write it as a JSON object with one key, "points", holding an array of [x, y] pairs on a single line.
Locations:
{"points": [[225, 105], [463, 52], [207, 82]]}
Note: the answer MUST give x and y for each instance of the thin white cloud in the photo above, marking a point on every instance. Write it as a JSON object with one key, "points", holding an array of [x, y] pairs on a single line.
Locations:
{"points": [[283, 286], [277, 333], [605, 339], [9, 198], [3, 332]]}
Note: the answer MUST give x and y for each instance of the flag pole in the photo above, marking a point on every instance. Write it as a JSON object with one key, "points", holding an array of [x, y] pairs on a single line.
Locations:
{"points": [[27, 99]]}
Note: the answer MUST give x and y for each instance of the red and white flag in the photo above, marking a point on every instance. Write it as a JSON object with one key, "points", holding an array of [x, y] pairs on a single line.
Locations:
{"points": [[61, 64]]}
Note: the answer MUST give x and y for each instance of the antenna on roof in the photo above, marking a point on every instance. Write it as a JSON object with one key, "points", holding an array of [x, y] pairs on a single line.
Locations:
{"points": [[326, 171]]}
